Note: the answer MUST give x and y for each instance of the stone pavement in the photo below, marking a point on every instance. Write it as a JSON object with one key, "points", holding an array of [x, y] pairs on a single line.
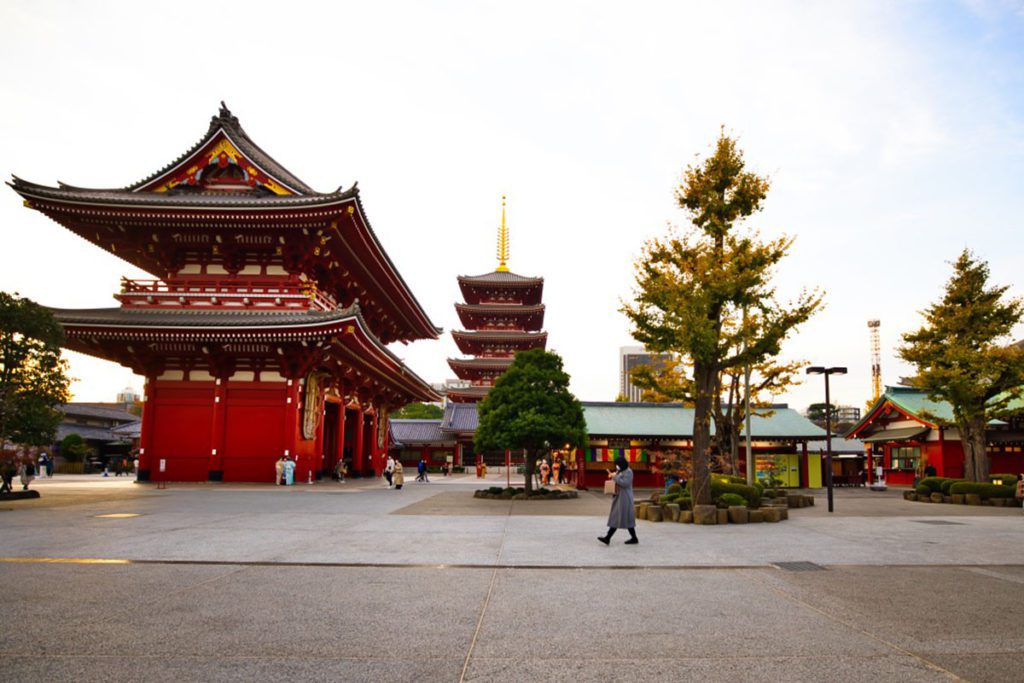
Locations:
{"points": [[357, 582]]}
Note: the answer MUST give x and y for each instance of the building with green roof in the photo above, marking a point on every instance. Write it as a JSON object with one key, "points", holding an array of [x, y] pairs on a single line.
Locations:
{"points": [[906, 432]]}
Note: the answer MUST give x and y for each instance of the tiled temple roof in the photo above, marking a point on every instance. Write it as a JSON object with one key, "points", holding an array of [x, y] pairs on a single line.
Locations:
{"points": [[500, 278], [186, 318]]}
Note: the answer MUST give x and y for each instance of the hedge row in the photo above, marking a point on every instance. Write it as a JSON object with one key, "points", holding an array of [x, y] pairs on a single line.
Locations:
{"points": [[986, 491]]}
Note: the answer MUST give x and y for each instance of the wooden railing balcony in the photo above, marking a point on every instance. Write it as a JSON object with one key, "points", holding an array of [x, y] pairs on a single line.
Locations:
{"points": [[258, 293]]}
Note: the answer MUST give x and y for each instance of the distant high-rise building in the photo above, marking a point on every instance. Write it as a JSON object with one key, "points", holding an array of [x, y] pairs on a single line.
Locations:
{"points": [[631, 357], [128, 396]]}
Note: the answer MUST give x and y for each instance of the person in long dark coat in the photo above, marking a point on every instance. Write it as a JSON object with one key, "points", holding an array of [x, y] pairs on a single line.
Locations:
{"points": [[622, 515]]}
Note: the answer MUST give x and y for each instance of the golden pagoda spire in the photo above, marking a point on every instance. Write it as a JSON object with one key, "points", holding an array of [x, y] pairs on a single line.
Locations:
{"points": [[502, 241]]}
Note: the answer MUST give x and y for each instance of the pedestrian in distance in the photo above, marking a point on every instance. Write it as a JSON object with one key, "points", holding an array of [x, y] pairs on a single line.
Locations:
{"points": [[279, 470], [421, 470], [340, 470], [622, 515], [389, 470], [398, 475]]}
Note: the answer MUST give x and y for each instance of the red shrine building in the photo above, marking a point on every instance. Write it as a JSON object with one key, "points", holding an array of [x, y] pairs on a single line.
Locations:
{"points": [[264, 329], [502, 313]]}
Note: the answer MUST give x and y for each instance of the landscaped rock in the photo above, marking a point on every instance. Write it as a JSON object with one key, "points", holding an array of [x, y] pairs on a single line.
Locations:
{"points": [[686, 516], [793, 501], [809, 500], [936, 497], [947, 499], [654, 513], [672, 512], [644, 508], [972, 498], [958, 498], [783, 514], [636, 510], [755, 516], [909, 495], [723, 516], [738, 514], [705, 514], [772, 515], [999, 502]]}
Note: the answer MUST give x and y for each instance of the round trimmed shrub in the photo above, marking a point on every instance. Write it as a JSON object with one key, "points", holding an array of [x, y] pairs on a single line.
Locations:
{"points": [[731, 499], [947, 484]]}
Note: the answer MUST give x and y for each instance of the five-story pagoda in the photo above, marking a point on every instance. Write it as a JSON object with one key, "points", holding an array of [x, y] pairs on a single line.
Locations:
{"points": [[263, 333], [502, 313]]}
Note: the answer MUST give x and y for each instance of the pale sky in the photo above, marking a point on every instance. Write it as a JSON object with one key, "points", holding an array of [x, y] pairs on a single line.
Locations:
{"points": [[893, 133]]}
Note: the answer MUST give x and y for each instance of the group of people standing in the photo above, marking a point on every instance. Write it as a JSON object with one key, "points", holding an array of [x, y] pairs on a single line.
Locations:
{"points": [[22, 463], [394, 473], [553, 472]]}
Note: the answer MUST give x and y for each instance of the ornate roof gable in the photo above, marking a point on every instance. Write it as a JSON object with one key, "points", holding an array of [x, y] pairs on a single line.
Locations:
{"points": [[226, 160]]}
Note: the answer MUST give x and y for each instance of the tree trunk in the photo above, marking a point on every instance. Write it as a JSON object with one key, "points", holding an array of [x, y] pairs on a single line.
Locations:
{"points": [[704, 377], [530, 466], [979, 446]]}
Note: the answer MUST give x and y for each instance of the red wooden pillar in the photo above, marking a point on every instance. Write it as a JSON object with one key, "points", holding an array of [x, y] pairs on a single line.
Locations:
{"points": [[358, 457], [581, 470], [340, 440], [216, 466], [870, 465], [146, 462], [291, 419]]}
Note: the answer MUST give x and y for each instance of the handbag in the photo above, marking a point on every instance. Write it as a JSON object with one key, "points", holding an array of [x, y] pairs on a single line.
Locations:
{"points": [[609, 487]]}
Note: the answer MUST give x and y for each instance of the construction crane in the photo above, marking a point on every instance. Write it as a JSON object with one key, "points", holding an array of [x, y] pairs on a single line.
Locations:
{"points": [[876, 360]]}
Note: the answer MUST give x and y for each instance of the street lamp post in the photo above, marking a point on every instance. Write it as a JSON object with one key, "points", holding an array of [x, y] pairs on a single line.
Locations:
{"points": [[821, 370]]}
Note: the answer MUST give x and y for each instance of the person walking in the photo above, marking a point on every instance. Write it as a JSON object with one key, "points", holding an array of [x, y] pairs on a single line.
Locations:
{"points": [[622, 515], [1020, 487], [421, 470], [545, 472], [7, 472], [279, 470], [28, 473], [398, 475], [389, 471], [340, 471]]}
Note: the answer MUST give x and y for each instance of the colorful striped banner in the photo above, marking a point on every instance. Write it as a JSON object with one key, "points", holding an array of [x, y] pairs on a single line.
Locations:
{"points": [[609, 454]]}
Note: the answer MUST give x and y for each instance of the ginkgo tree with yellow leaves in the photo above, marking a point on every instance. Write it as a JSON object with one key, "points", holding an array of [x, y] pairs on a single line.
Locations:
{"points": [[693, 286]]}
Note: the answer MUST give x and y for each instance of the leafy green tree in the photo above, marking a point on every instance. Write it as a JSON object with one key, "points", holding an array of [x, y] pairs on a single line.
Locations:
{"points": [[418, 411], [962, 356], [33, 376], [531, 407], [74, 448], [690, 286], [816, 413]]}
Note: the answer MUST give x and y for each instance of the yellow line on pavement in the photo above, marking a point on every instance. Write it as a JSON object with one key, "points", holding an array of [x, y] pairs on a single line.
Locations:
{"points": [[61, 560]]}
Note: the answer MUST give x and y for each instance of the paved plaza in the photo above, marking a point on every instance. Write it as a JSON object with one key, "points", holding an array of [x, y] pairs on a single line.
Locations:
{"points": [[110, 580]]}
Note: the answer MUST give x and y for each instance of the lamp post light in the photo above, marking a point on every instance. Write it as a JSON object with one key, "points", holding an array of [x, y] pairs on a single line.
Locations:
{"points": [[821, 370]]}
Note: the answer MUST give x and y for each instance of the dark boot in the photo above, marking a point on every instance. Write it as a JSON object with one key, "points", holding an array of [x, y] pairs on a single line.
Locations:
{"points": [[633, 540], [607, 537]]}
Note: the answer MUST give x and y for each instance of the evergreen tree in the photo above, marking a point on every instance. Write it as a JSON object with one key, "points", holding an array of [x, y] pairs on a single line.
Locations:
{"points": [[33, 376], [691, 288], [531, 407], [418, 411], [963, 357]]}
